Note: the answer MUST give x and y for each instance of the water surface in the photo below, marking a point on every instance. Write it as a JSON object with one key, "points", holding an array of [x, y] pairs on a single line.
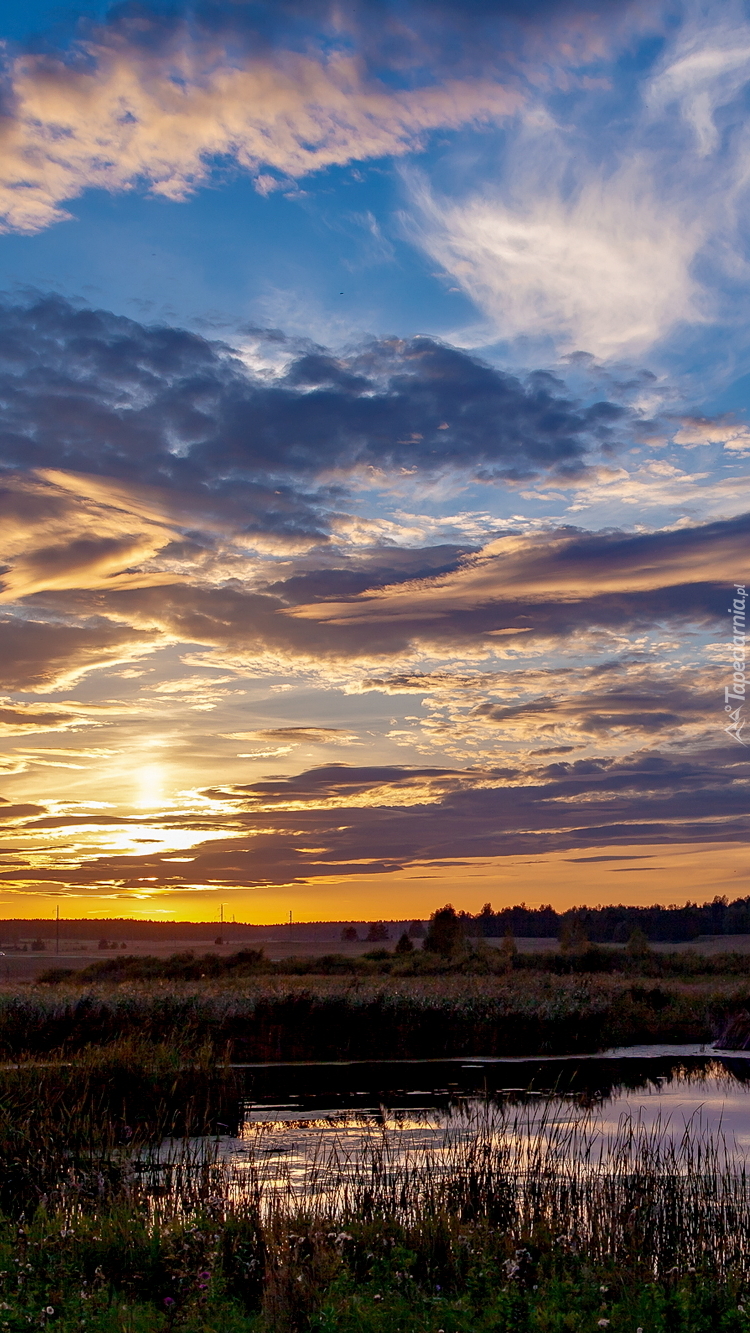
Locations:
{"points": [[310, 1120]]}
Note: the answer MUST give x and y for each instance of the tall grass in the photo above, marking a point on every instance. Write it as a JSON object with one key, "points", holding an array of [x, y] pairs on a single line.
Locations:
{"points": [[337, 1018], [75, 1127], [648, 1195], [469, 959]]}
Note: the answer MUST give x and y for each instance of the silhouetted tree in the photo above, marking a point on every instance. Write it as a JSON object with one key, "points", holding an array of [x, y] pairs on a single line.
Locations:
{"points": [[445, 933], [404, 944], [349, 934], [378, 932]]}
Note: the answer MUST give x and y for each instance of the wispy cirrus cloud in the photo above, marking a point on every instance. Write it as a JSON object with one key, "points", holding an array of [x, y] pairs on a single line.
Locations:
{"points": [[612, 222], [605, 267]]}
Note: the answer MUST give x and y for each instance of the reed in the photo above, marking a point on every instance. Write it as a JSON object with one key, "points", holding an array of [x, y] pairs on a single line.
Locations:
{"points": [[329, 1018], [75, 1125]]}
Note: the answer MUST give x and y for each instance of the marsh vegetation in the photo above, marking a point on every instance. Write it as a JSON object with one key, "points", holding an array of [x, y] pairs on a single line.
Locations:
{"points": [[120, 1210], [525, 1219]]}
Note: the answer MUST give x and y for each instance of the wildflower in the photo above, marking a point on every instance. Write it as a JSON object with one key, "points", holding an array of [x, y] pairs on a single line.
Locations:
{"points": [[603, 1323], [169, 1302], [639, 1330], [377, 1296], [205, 1275], [604, 1288], [741, 1309], [49, 1309]]}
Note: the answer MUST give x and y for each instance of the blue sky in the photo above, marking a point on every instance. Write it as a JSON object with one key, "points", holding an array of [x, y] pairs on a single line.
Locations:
{"points": [[374, 430]]}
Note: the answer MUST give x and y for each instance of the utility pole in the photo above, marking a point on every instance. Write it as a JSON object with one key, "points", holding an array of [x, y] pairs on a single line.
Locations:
{"points": [[290, 923], [57, 929], [221, 927]]}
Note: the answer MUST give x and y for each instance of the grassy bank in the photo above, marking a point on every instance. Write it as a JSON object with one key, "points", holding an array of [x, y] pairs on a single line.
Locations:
{"points": [[338, 1018], [122, 1274]]}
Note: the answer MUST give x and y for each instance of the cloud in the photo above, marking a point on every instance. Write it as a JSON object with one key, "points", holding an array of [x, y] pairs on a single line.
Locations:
{"points": [[159, 101], [45, 655], [605, 267], [568, 566], [298, 735], [138, 455], [734, 436], [621, 705], [612, 222], [346, 820], [116, 113], [654, 485], [521, 597], [23, 719], [706, 67], [180, 422]]}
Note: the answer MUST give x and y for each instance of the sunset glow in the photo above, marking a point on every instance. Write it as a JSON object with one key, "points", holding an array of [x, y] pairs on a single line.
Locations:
{"points": [[376, 502]]}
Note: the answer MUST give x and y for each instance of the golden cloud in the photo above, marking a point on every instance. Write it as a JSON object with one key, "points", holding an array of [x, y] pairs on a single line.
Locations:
{"points": [[129, 116], [562, 566]]}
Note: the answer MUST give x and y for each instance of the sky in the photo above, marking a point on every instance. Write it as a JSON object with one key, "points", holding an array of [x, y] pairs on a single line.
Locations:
{"points": [[373, 428]]}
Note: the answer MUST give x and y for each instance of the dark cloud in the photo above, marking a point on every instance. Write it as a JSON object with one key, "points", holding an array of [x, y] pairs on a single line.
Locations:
{"points": [[386, 567], [90, 392], [39, 655], [449, 612], [650, 707], [316, 735], [364, 820], [10, 811], [402, 37]]}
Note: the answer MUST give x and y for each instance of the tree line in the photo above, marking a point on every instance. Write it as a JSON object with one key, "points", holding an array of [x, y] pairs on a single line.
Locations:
{"points": [[613, 924]]}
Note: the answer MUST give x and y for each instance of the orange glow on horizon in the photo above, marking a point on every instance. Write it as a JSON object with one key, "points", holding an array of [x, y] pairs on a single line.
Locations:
{"points": [[637, 875]]}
